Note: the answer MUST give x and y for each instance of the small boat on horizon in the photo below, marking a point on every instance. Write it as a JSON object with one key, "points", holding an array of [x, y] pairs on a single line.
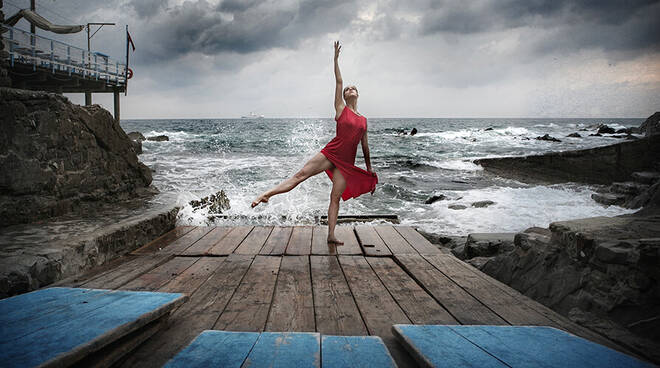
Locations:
{"points": [[252, 116]]}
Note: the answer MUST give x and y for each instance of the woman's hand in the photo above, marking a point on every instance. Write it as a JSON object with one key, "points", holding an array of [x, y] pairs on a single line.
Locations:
{"points": [[337, 49]]}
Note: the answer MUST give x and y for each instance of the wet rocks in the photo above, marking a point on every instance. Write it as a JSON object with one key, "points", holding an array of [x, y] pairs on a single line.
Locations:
{"points": [[651, 126], [214, 204], [481, 204], [457, 207], [487, 244], [136, 139], [574, 135], [158, 138], [631, 194], [435, 198], [604, 129], [547, 137]]}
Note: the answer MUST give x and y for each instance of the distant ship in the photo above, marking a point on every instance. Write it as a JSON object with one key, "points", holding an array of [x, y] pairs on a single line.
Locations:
{"points": [[252, 116]]}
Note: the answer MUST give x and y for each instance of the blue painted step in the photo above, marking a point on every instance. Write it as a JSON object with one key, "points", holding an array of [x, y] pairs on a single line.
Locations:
{"points": [[63, 325], [251, 349], [502, 346], [355, 351]]}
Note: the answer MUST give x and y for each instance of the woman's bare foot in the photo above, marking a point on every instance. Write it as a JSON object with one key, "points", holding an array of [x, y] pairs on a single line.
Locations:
{"points": [[260, 199], [333, 240]]}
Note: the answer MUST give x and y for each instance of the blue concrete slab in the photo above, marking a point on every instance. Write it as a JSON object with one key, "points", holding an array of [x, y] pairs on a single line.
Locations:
{"points": [[514, 346], [438, 346], [354, 352], [520, 346], [286, 349], [79, 327], [216, 349]]}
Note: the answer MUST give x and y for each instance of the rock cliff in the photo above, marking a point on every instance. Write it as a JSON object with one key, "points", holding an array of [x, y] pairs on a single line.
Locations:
{"points": [[54, 154]]}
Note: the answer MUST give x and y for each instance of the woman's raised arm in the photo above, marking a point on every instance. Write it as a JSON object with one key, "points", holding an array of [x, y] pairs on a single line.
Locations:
{"points": [[339, 84]]}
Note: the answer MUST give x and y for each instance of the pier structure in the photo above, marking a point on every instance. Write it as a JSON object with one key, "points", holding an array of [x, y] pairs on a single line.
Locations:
{"points": [[39, 63]]}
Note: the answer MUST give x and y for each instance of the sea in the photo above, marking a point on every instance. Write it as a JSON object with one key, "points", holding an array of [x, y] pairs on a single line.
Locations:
{"points": [[244, 157]]}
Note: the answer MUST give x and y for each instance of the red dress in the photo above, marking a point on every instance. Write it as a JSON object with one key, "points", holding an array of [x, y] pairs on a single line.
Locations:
{"points": [[341, 152]]}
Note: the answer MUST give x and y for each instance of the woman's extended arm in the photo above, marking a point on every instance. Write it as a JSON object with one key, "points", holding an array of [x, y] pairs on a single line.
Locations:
{"points": [[365, 151], [339, 86]]}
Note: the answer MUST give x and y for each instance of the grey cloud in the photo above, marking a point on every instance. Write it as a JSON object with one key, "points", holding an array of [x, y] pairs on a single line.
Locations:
{"points": [[610, 25]]}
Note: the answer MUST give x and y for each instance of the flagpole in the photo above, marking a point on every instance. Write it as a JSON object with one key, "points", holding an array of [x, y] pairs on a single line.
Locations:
{"points": [[126, 71]]}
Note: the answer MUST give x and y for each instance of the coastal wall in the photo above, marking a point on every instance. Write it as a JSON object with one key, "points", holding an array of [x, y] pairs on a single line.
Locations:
{"points": [[4, 72], [54, 154]]}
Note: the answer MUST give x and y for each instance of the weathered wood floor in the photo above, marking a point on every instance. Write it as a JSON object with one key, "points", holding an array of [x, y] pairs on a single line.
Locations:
{"points": [[266, 278]]}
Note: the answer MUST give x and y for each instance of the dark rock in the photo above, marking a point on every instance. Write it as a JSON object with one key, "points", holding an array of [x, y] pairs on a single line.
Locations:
{"points": [[435, 198], [596, 135], [604, 129], [618, 252], [574, 135], [480, 204], [54, 154], [646, 177], [487, 129], [608, 199], [622, 130], [547, 137], [628, 188], [216, 203], [159, 138], [488, 244], [457, 207], [413, 131], [136, 136], [651, 126]]}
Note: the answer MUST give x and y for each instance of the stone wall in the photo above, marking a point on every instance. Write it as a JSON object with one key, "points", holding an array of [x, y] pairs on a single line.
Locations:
{"points": [[54, 154]]}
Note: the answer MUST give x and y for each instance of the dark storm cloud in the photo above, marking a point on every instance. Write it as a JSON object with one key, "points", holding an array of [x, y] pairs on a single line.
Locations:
{"points": [[239, 26], [569, 25]]}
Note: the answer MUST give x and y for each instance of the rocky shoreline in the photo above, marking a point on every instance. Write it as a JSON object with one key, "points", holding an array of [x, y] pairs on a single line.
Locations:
{"points": [[601, 272]]}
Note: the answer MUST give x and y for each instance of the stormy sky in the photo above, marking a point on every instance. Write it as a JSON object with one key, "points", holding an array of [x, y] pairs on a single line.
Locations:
{"points": [[414, 58]]}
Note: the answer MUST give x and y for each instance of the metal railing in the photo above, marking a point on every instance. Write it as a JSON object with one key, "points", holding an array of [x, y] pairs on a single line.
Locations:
{"points": [[44, 53]]}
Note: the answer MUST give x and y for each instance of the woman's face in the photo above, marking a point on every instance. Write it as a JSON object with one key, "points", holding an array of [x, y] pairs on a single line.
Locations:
{"points": [[350, 91]]}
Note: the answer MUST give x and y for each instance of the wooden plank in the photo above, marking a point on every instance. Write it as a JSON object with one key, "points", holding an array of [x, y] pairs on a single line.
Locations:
{"points": [[503, 304], [439, 346], [277, 241], [202, 246], [334, 307], [394, 241], [558, 319], [71, 334], [320, 245], [355, 351], [524, 346], [418, 305], [162, 241], [293, 305], [248, 308], [123, 274], [286, 349], [160, 275], [417, 240], [216, 349], [199, 314], [351, 245], [379, 310], [255, 240], [371, 243], [227, 245], [301, 241], [463, 306], [192, 278], [377, 307], [180, 245]]}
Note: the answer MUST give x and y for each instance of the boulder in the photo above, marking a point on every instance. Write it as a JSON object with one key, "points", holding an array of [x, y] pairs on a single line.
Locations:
{"points": [[215, 203], [604, 129], [646, 177], [608, 199], [159, 138], [547, 137], [435, 198], [481, 204], [488, 244], [651, 125], [457, 207], [54, 155], [574, 135], [136, 136]]}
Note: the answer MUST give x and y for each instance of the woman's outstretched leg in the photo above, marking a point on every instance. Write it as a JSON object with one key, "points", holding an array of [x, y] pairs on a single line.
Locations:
{"points": [[315, 165], [338, 186]]}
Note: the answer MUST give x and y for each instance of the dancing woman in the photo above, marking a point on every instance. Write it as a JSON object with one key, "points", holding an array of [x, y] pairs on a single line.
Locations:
{"points": [[337, 158]]}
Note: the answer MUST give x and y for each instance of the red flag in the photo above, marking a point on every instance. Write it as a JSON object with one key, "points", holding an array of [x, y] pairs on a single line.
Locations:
{"points": [[130, 40]]}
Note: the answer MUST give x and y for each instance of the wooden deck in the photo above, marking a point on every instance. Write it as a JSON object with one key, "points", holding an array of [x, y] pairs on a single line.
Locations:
{"points": [[265, 278]]}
